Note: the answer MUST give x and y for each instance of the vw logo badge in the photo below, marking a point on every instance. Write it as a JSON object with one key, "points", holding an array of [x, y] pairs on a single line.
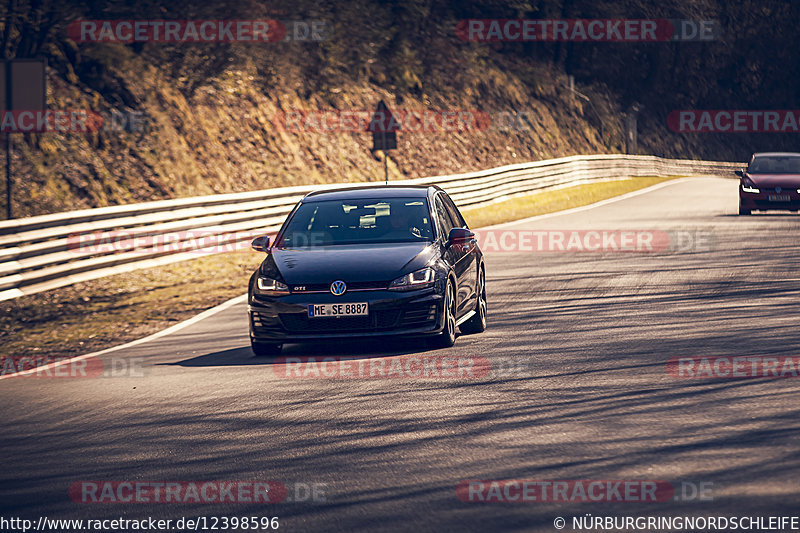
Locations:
{"points": [[778, 189], [338, 287]]}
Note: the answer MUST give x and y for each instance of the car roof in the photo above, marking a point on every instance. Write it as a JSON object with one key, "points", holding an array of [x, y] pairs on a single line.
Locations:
{"points": [[777, 154], [372, 191]]}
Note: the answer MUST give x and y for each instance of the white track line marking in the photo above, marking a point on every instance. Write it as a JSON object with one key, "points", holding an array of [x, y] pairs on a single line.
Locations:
{"points": [[596, 204], [172, 329]]}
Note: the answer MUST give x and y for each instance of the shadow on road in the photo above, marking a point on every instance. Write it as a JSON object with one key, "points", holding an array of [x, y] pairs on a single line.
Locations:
{"points": [[355, 349]]}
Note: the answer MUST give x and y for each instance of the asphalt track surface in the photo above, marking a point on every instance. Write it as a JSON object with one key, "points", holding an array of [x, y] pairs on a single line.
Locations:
{"points": [[578, 389]]}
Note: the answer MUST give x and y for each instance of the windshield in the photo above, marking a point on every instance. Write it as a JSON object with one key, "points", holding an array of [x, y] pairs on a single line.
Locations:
{"points": [[775, 165], [358, 221]]}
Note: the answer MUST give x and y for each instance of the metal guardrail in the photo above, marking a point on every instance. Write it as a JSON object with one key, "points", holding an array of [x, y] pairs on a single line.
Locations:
{"points": [[45, 252]]}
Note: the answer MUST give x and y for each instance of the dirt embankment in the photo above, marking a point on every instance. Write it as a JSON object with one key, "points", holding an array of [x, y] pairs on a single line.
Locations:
{"points": [[231, 132]]}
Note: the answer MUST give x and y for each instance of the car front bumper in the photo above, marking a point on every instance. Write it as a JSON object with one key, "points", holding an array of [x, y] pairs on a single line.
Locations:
{"points": [[760, 201], [285, 319]]}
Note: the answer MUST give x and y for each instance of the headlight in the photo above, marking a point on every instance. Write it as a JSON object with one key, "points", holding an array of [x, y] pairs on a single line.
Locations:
{"points": [[749, 186], [419, 279], [271, 287]]}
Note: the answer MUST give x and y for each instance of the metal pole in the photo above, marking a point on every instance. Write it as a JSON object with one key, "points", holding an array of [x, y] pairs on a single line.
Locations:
{"points": [[384, 136], [9, 213]]}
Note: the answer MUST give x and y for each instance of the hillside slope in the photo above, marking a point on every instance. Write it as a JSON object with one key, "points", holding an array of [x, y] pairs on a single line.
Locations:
{"points": [[210, 115], [231, 134]]}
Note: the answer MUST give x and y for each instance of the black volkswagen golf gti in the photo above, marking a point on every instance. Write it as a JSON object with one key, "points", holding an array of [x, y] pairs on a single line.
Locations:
{"points": [[368, 261]]}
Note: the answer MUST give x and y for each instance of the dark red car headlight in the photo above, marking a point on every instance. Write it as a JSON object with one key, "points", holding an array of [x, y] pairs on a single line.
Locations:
{"points": [[748, 185]]}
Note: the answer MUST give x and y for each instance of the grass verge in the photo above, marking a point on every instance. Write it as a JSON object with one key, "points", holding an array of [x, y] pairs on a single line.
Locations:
{"points": [[98, 314], [552, 200], [101, 313]]}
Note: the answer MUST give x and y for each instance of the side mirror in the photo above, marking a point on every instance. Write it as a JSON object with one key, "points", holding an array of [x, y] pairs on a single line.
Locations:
{"points": [[261, 244], [459, 236], [739, 173]]}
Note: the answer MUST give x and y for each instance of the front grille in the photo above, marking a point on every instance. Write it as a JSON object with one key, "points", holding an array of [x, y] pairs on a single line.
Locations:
{"points": [[772, 190], [419, 315], [351, 286], [301, 324], [379, 320], [386, 319]]}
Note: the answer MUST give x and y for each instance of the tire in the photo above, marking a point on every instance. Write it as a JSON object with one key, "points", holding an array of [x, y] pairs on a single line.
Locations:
{"points": [[263, 349], [743, 211], [477, 324], [447, 337]]}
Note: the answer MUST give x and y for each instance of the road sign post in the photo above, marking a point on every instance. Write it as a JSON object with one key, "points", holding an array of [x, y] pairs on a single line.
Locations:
{"points": [[23, 87], [385, 168], [384, 128]]}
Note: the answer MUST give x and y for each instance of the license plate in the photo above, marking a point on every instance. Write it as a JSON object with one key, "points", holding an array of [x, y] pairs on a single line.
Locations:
{"points": [[778, 198], [334, 310]]}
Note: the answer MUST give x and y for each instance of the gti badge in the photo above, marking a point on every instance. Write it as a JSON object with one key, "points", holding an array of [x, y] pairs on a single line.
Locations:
{"points": [[338, 287]]}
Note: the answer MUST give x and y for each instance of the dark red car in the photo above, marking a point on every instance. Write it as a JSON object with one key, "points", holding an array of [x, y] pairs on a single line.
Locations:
{"points": [[770, 182]]}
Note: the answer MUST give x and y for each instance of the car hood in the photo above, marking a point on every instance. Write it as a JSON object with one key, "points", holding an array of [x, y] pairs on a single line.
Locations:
{"points": [[350, 262], [787, 181]]}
